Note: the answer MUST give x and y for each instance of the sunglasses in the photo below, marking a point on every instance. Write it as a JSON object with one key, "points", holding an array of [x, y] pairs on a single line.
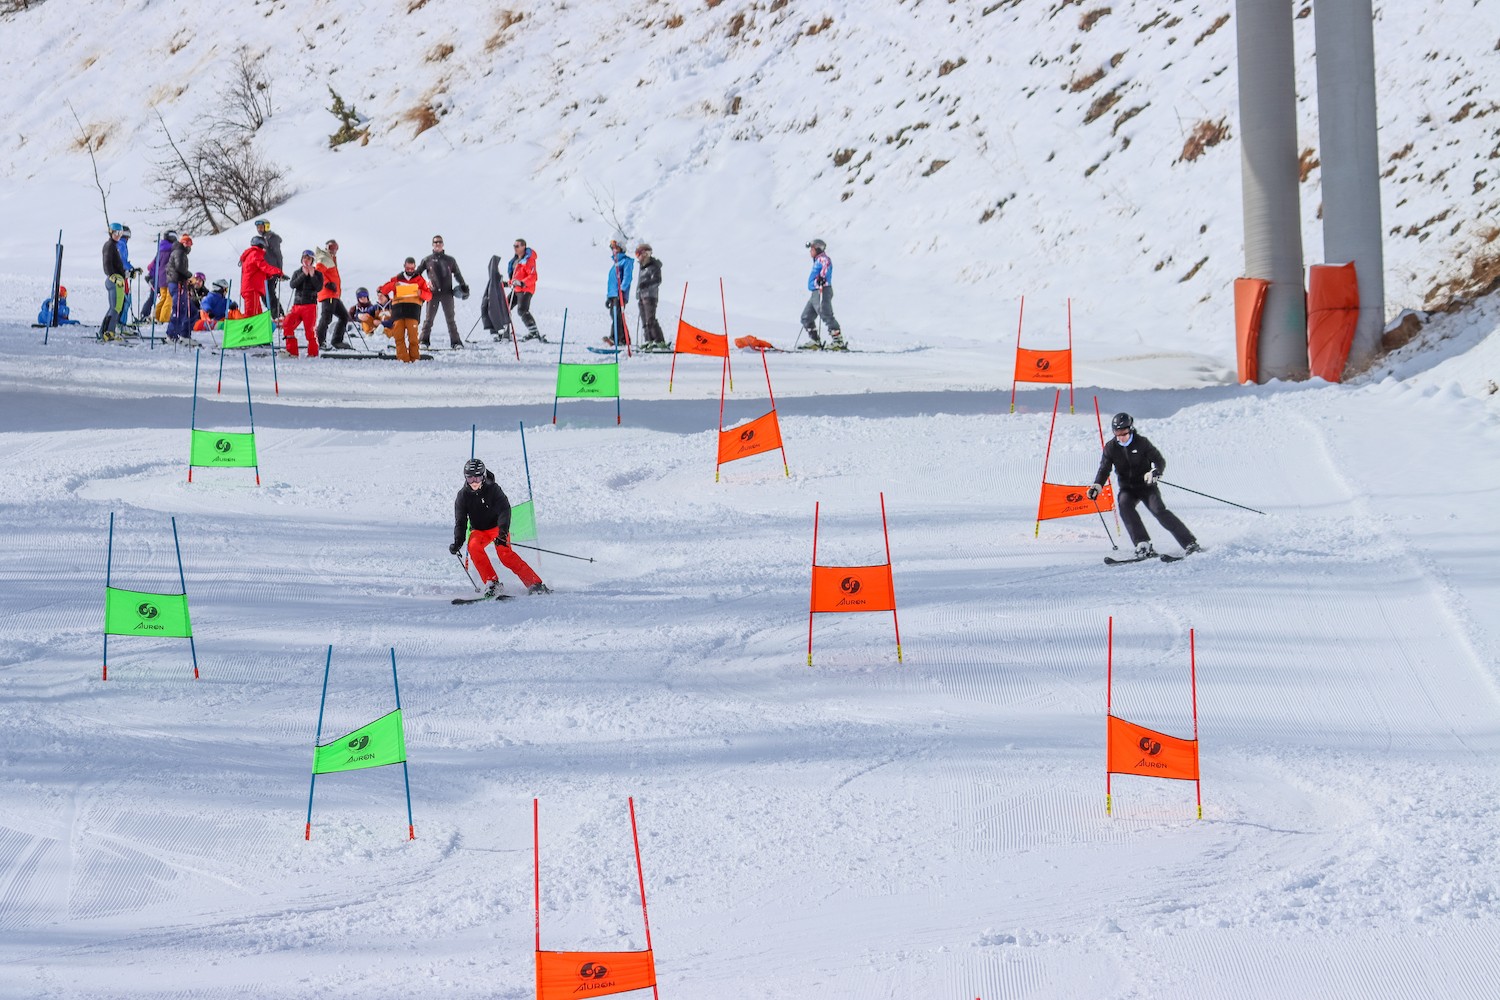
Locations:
{"points": [[474, 479]]}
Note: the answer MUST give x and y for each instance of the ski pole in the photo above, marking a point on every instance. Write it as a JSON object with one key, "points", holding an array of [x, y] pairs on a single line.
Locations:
{"points": [[1212, 497], [465, 567], [1106, 525], [550, 552]]}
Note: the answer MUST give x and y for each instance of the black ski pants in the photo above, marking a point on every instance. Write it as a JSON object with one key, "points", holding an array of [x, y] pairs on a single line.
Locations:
{"points": [[650, 328], [521, 303], [332, 309], [1151, 497], [273, 303]]}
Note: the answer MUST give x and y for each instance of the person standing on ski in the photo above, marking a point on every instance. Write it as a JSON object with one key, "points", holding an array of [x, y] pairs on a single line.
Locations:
{"points": [[307, 282], [820, 302], [522, 272], [330, 299], [179, 279], [408, 290], [483, 510], [647, 294], [114, 282], [621, 271], [444, 278], [255, 271], [156, 274], [274, 258], [1138, 466], [131, 271]]}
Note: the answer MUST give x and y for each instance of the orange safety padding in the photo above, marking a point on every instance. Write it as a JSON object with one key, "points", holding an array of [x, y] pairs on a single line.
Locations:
{"points": [[1071, 501], [853, 588], [1249, 303], [571, 974], [761, 434], [1332, 315], [754, 343], [1044, 366], [691, 340], [1137, 750]]}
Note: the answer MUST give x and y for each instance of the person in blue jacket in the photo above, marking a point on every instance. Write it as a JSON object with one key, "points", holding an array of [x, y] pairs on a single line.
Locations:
{"points": [[44, 316], [621, 271], [820, 302], [130, 272]]}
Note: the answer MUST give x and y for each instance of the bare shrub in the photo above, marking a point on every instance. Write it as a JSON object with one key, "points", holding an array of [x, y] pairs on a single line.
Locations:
{"points": [[440, 52], [1203, 136], [245, 101], [422, 117], [949, 65], [842, 157], [1086, 81], [214, 185]]}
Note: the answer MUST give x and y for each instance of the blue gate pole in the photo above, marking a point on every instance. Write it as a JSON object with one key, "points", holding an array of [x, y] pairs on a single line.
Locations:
{"points": [[411, 829], [183, 578], [307, 832]]}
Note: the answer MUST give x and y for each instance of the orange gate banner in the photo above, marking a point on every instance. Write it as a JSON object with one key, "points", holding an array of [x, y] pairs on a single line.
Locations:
{"points": [[853, 588], [571, 974], [691, 340], [1044, 366], [1070, 501], [1137, 750], [759, 435]]}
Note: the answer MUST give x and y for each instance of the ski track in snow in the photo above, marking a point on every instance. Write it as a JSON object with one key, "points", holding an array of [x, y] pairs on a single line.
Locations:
{"points": [[859, 829]]}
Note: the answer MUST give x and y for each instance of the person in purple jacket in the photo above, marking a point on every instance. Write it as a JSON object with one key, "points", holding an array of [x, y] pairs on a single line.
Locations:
{"points": [[820, 302], [156, 273]]}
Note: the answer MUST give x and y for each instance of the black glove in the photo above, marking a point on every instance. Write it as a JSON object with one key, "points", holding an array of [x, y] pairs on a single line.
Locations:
{"points": [[463, 291], [135, 272], [609, 304], [821, 284], [1093, 491], [453, 549]]}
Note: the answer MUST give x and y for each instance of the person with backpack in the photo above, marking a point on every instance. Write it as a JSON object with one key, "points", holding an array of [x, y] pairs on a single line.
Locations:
{"points": [[617, 294], [483, 510], [255, 270], [820, 302], [1138, 466], [179, 281], [274, 258], [408, 290], [45, 316], [330, 299], [443, 279], [522, 272], [306, 283], [156, 276], [114, 282], [647, 294]]}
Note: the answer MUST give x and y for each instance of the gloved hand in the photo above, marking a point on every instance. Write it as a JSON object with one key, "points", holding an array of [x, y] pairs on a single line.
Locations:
{"points": [[463, 291], [1152, 476], [609, 304], [453, 549], [135, 272], [820, 284], [1093, 491]]}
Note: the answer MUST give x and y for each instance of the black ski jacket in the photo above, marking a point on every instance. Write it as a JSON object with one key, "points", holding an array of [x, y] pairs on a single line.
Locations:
{"points": [[441, 270], [112, 263], [273, 250], [493, 311], [481, 509], [1130, 462], [305, 287], [648, 283]]}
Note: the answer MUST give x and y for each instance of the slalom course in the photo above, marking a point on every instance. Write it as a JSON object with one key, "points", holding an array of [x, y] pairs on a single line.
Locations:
{"points": [[223, 449], [1065, 500], [754, 438], [1053, 367], [241, 334], [141, 612], [564, 974], [374, 744], [691, 340], [847, 589], [1133, 749]]}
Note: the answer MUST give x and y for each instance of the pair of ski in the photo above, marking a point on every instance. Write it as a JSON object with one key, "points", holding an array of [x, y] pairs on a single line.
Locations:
{"points": [[484, 597], [1164, 557]]}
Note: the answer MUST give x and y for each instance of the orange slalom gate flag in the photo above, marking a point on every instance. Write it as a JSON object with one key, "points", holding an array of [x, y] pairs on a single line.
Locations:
{"points": [[570, 974], [754, 343], [691, 340], [1044, 366], [853, 588], [1137, 750], [761, 434], [1070, 501]]}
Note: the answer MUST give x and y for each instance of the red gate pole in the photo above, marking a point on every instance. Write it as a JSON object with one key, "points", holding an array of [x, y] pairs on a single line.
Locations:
{"points": [[1019, 316], [1109, 678], [641, 877], [1070, 357], [890, 576], [672, 374], [723, 308], [1193, 667], [812, 591], [1056, 398]]}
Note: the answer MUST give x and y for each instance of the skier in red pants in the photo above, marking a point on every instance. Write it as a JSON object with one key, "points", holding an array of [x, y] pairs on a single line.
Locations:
{"points": [[483, 508], [306, 284]]}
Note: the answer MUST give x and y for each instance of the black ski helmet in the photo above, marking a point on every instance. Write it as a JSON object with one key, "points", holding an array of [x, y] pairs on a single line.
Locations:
{"points": [[361, 293], [258, 241], [473, 467], [1122, 422], [818, 245]]}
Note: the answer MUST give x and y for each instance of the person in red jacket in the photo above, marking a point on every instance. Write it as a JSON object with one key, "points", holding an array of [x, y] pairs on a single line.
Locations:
{"points": [[408, 290], [306, 283], [254, 270], [331, 298], [522, 268]]}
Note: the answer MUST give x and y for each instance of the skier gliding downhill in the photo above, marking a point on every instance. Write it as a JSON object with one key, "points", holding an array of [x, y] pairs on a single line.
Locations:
{"points": [[484, 510]]}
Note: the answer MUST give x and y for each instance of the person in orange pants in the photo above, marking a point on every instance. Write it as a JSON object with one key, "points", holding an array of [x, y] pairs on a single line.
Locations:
{"points": [[306, 284], [408, 290], [483, 509]]}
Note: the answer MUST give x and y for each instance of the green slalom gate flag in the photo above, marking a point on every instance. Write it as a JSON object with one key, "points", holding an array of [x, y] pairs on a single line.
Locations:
{"points": [[224, 449], [380, 743], [585, 381], [252, 332], [134, 612], [523, 522]]}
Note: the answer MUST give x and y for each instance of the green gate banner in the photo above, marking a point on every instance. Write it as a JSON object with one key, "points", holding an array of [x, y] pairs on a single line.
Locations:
{"points": [[252, 332], [523, 522], [574, 381], [135, 612], [223, 449], [380, 743]]}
